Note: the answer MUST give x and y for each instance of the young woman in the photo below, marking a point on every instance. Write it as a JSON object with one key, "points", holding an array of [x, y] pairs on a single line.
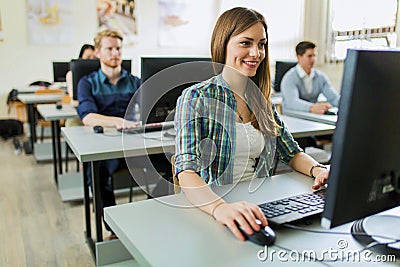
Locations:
{"points": [[86, 52], [227, 128]]}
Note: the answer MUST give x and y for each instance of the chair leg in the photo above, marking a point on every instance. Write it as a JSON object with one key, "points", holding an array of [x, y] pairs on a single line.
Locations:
{"points": [[66, 156], [41, 134], [130, 194]]}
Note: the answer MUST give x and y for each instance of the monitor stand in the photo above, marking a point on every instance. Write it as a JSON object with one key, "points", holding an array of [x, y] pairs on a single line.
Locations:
{"points": [[367, 230]]}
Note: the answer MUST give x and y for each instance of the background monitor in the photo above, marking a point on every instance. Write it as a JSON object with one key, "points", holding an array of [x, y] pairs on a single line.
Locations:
{"points": [[281, 67], [158, 95], [83, 67], [365, 166], [60, 70]]}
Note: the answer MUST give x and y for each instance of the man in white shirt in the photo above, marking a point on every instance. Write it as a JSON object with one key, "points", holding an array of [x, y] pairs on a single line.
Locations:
{"points": [[302, 84]]}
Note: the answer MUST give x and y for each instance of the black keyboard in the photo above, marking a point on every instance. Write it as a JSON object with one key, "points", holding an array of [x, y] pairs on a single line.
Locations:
{"points": [[295, 208], [151, 127]]}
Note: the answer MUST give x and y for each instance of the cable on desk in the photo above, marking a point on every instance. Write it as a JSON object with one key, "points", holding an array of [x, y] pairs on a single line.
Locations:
{"points": [[294, 227], [368, 246], [326, 261], [161, 138]]}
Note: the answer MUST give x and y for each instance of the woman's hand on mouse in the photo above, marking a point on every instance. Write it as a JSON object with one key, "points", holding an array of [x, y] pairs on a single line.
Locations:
{"points": [[320, 179], [241, 213]]}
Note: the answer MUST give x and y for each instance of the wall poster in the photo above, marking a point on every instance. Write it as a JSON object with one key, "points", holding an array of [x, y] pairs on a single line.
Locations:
{"points": [[49, 21], [118, 15]]}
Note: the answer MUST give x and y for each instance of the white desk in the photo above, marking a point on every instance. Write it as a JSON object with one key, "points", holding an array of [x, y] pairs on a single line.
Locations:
{"points": [[30, 100], [25, 89], [304, 128], [277, 99], [90, 147], [50, 113], [327, 119], [162, 232]]}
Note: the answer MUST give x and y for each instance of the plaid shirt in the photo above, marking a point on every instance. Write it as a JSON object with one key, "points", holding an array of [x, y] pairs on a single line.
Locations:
{"points": [[205, 141]]}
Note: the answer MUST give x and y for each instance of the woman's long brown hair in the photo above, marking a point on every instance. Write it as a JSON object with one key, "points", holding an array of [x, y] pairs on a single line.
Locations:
{"points": [[231, 23]]}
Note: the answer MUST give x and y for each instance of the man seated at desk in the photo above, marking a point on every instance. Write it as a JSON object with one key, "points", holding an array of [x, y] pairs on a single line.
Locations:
{"points": [[302, 84], [104, 96]]}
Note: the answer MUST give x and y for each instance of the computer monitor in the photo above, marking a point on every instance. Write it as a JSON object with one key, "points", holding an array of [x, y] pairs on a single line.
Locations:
{"points": [[158, 94], [281, 67], [83, 67], [60, 70], [365, 166]]}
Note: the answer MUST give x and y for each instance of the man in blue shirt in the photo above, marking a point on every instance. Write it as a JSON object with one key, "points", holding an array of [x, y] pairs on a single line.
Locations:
{"points": [[302, 84], [104, 96]]}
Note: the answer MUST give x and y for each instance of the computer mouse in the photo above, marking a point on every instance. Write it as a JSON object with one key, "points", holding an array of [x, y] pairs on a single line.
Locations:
{"points": [[265, 237], [329, 113], [170, 133], [98, 129], [58, 106]]}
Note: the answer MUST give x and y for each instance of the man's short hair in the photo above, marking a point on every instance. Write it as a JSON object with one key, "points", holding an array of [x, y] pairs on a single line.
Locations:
{"points": [[106, 33], [303, 46]]}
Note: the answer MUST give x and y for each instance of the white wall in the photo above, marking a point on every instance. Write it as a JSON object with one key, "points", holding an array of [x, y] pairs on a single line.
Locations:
{"points": [[147, 16], [22, 63], [285, 23]]}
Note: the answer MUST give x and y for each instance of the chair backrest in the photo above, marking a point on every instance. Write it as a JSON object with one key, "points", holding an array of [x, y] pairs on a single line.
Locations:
{"points": [[41, 83], [281, 67], [49, 91], [83, 67], [65, 98]]}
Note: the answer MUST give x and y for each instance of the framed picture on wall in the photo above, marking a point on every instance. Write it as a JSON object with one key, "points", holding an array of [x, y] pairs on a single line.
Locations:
{"points": [[183, 23], [118, 15], [49, 21]]}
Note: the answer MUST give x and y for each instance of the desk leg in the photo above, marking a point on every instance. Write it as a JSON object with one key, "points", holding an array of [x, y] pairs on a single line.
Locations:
{"points": [[59, 147], [54, 148], [32, 124], [97, 200], [86, 203]]}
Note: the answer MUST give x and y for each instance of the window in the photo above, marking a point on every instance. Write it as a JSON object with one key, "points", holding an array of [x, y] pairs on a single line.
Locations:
{"points": [[361, 24]]}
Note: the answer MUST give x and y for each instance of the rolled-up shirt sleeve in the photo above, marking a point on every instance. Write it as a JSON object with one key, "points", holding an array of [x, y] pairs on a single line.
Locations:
{"points": [[286, 146], [188, 126], [87, 103]]}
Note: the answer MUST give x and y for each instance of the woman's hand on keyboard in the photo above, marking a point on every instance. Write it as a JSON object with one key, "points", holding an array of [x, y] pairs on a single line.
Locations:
{"points": [[240, 213]]}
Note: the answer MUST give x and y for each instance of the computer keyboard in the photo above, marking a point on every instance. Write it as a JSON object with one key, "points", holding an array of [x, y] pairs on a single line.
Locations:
{"points": [[151, 127], [295, 208]]}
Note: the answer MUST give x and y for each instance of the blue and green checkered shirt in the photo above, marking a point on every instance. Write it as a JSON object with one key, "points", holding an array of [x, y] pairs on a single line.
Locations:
{"points": [[205, 140]]}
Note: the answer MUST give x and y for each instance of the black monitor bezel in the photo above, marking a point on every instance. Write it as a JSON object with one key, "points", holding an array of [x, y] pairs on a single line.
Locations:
{"points": [[368, 109], [60, 69], [151, 65]]}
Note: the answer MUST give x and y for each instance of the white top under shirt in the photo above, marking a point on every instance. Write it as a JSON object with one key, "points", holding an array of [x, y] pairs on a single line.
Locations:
{"points": [[249, 145], [307, 79]]}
